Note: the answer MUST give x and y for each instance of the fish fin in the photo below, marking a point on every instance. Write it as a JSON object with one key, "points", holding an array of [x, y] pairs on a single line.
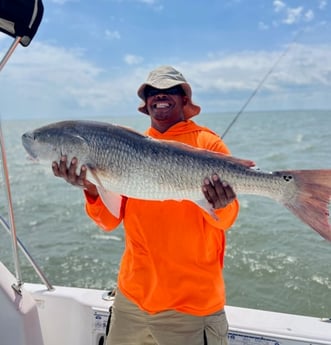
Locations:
{"points": [[111, 200], [245, 162], [132, 132], [207, 207], [311, 203], [76, 138]]}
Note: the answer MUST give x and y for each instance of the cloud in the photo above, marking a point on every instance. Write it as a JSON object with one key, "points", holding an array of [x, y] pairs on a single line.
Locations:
{"points": [[148, 2], [55, 82], [133, 59], [154, 4], [293, 15], [52, 80], [3, 36], [279, 5], [112, 35], [322, 4], [263, 26], [227, 81], [309, 16]]}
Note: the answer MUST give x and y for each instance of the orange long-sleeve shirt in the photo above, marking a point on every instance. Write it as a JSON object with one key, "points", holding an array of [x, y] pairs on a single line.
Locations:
{"points": [[174, 250]]}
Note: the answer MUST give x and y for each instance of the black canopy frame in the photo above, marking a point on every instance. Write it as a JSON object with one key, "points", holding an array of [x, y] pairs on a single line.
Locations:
{"points": [[19, 19]]}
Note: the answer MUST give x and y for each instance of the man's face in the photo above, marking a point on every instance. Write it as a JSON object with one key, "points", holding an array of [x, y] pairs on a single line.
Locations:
{"points": [[165, 104]]}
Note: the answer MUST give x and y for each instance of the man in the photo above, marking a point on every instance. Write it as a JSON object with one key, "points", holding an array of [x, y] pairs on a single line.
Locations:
{"points": [[170, 283]]}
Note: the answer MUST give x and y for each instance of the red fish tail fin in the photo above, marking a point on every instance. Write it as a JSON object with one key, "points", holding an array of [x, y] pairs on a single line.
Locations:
{"points": [[311, 204]]}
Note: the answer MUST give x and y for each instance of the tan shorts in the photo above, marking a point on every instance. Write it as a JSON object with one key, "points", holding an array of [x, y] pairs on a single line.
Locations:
{"points": [[131, 326]]}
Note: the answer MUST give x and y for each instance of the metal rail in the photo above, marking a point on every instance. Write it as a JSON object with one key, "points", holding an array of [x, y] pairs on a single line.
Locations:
{"points": [[11, 214], [9, 52], [12, 228], [31, 260]]}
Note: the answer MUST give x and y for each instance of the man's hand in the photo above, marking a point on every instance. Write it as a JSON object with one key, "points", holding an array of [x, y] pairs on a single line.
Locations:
{"points": [[69, 174], [219, 194]]}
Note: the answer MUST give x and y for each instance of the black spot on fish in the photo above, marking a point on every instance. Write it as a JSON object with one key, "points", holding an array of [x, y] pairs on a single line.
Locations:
{"points": [[287, 178]]}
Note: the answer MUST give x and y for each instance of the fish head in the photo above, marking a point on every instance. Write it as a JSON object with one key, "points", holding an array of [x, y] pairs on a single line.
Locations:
{"points": [[50, 142]]}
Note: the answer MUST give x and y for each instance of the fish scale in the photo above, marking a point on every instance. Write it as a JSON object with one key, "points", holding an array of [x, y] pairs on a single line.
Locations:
{"points": [[125, 162]]}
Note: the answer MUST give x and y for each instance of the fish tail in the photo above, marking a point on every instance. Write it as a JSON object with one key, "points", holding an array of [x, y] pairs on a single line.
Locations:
{"points": [[311, 203]]}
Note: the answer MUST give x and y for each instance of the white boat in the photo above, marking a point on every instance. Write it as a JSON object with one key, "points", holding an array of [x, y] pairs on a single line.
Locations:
{"points": [[36, 315], [40, 314]]}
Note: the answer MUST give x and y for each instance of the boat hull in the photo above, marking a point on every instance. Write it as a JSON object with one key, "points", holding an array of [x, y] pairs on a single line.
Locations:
{"points": [[78, 316]]}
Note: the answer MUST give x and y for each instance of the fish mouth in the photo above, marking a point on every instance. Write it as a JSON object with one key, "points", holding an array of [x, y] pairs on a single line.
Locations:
{"points": [[27, 141]]}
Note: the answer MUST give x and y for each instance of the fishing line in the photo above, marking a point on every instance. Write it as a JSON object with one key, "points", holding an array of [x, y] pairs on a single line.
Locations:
{"points": [[261, 83]]}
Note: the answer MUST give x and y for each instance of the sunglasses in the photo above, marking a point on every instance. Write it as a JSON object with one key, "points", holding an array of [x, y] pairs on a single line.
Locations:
{"points": [[175, 90]]}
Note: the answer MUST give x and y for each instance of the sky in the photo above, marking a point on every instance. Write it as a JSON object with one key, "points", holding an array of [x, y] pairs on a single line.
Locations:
{"points": [[88, 58]]}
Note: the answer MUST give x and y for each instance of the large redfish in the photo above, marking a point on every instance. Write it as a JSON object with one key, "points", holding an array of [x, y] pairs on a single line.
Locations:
{"points": [[127, 163]]}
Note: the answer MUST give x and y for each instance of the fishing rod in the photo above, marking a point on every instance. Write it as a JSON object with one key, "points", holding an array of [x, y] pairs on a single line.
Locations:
{"points": [[260, 84]]}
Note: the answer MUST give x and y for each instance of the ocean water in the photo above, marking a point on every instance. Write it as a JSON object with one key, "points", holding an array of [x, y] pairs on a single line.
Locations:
{"points": [[273, 261]]}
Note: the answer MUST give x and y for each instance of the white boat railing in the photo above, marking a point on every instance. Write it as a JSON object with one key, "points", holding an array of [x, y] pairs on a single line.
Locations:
{"points": [[28, 256], [23, 29], [11, 227]]}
